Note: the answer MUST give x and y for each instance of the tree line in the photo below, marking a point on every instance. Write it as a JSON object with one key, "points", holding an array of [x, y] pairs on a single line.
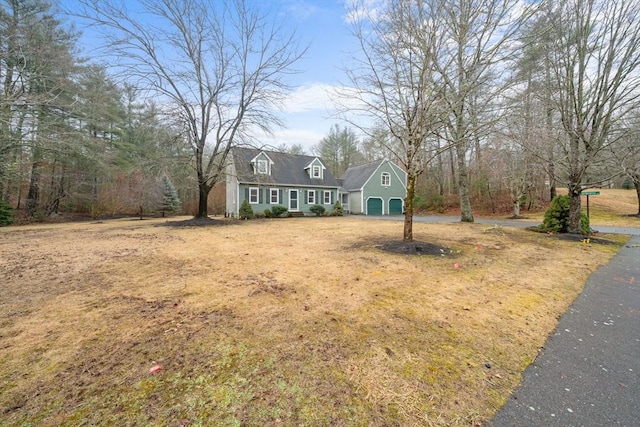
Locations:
{"points": [[181, 83], [481, 100], [490, 94], [71, 138]]}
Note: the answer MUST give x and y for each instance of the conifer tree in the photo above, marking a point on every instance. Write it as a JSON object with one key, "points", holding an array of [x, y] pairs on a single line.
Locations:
{"points": [[170, 201], [6, 213]]}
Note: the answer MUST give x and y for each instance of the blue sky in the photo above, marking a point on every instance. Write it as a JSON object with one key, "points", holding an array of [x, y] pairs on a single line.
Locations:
{"points": [[308, 113]]}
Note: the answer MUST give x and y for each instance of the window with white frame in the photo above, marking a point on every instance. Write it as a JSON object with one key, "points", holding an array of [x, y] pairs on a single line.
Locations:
{"points": [[274, 196], [311, 197], [262, 166], [386, 179], [253, 195], [316, 171], [327, 197]]}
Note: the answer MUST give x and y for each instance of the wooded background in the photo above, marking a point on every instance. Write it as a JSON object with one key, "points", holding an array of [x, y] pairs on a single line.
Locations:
{"points": [[488, 104]]}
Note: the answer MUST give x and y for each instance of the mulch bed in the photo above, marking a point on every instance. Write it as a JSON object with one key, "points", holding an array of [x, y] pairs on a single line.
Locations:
{"points": [[413, 248]]}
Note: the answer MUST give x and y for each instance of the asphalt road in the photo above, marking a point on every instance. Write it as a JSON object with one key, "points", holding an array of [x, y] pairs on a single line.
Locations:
{"points": [[588, 372], [502, 222]]}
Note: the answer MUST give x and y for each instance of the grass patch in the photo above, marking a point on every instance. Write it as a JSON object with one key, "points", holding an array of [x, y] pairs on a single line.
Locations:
{"points": [[288, 322]]}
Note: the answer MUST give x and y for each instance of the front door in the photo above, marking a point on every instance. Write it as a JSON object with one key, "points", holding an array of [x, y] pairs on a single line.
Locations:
{"points": [[293, 200]]}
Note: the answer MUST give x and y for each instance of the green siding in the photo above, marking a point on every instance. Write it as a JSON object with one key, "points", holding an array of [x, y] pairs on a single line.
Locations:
{"points": [[391, 195], [264, 199]]}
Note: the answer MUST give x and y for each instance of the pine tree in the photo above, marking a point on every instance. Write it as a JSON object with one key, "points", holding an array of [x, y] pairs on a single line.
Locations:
{"points": [[170, 201], [6, 213]]}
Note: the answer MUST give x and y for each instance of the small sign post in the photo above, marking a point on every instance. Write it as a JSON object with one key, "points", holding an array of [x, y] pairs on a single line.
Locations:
{"points": [[589, 193]]}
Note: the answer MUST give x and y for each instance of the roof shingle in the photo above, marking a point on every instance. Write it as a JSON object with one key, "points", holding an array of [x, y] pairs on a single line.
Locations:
{"points": [[287, 169]]}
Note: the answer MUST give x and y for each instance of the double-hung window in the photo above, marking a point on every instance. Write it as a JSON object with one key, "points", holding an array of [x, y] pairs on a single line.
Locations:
{"points": [[274, 196], [262, 166], [253, 195], [316, 171], [311, 197], [386, 179], [327, 197]]}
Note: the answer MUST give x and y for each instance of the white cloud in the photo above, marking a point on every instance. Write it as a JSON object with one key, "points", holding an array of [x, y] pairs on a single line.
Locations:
{"points": [[312, 97], [323, 99], [310, 111], [304, 137], [300, 9], [359, 10]]}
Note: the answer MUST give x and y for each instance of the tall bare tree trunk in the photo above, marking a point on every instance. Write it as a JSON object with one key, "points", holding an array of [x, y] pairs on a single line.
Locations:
{"points": [[33, 196], [466, 214], [407, 235], [636, 184]]}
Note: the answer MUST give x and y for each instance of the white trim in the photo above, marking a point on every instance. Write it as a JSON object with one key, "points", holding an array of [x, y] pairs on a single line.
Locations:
{"points": [[311, 193], [277, 192], [237, 199], [374, 173], [395, 168], [324, 197], [257, 195], [299, 187], [254, 162], [366, 207], [314, 169], [382, 176], [297, 191], [389, 204], [264, 170], [311, 166]]}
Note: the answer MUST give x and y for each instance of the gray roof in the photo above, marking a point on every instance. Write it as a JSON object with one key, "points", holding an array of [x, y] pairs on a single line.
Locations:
{"points": [[355, 177], [287, 169]]}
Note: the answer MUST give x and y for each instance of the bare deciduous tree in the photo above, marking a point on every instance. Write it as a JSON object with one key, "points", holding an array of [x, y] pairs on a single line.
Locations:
{"points": [[393, 82], [626, 151], [472, 68], [218, 66], [596, 69]]}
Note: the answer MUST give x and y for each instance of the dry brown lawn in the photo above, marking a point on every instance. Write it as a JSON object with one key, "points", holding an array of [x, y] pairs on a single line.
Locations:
{"points": [[274, 322], [612, 207]]}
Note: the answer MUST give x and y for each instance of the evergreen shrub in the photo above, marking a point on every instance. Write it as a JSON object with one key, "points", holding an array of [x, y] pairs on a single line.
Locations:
{"points": [[337, 209], [245, 211], [556, 218], [279, 211], [317, 209], [6, 213], [170, 201]]}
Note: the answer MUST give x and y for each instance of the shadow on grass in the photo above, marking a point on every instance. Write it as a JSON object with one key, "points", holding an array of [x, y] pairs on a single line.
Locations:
{"points": [[199, 222]]}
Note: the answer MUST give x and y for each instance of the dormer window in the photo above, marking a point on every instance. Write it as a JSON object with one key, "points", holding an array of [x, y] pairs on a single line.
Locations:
{"points": [[315, 169], [262, 166]]}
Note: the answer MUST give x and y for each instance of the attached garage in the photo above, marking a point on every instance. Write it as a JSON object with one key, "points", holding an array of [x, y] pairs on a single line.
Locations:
{"points": [[395, 207], [374, 206], [376, 188]]}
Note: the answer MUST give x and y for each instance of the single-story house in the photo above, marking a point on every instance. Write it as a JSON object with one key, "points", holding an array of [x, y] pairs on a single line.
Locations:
{"points": [[268, 178], [376, 188]]}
